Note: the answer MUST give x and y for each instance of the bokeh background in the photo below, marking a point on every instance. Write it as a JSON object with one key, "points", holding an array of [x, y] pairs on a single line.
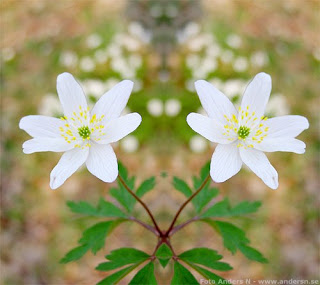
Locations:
{"points": [[163, 46]]}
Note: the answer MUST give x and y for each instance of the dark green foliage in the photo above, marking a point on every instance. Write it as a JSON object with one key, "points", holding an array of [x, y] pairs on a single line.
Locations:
{"points": [[223, 209], [182, 275], [117, 276], [146, 186], [182, 186], [164, 254], [206, 257], [145, 276]]}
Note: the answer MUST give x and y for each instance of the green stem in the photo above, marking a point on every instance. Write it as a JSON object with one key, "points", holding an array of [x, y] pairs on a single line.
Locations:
{"points": [[158, 231], [185, 204]]}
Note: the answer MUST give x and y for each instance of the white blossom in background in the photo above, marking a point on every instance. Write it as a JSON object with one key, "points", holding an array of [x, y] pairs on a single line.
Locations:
{"points": [[234, 41], [94, 87], [226, 56], [8, 53], [244, 135], [129, 144], [110, 82], [155, 107], [198, 144], [240, 64], [87, 64], [50, 106], [190, 30], [85, 136], [278, 105], [316, 54], [137, 85], [213, 50], [136, 29], [190, 85], [101, 56], [172, 107], [193, 61], [68, 59], [259, 59], [93, 41], [233, 87], [199, 42]]}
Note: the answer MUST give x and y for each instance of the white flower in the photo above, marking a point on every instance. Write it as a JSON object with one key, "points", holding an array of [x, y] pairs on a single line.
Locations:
{"points": [[244, 135], [155, 107], [172, 107], [85, 136]]}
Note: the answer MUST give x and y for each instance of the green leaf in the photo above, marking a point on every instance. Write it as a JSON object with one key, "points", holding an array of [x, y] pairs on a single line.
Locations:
{"points": [[205, 170], [146, 186], [117, 276], [223, 209], [245, 207], [123, 172], [182, 186], [220, 209], [204, 197], [182, 275], [206, 257], [107, 209], [83, 208], [123, 197], [75, 253], [209, 275], [252, 253], [164, 254], [95, 236], [121, 257], [234, 238], [145, 276]]}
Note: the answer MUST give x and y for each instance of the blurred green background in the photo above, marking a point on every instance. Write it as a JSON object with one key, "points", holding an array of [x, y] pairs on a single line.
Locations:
{"points": [[163, 46]]}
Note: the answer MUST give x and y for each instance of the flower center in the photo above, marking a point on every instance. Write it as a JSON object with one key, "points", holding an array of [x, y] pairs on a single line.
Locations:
{"points": [[84, 132], [243, 132]]}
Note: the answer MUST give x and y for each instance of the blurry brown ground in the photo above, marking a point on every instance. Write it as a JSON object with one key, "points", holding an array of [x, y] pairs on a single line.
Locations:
{"points": [[38, 229]]}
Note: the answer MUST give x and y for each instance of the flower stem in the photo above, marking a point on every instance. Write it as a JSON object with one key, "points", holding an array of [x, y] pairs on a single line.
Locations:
{"points": [[185, 204], [158, 231], [179, 227], [148, 227]]}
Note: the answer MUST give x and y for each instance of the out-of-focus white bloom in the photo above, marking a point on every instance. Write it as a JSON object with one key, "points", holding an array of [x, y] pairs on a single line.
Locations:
{"points": [[68, 59], [206, 66], [110, 82], [244, 135], [8, 53], [193, 61], [128, 42], [93, 41], [226, 56], [234, 41], [85, 136], [240, 64], [87, 64], [50, 106], [137, 85], [216, 82], [213, 50], [94, 87], [114, 50], [101, 56], [171, 11], [190, 30], [233, 87], [137, 30], [198, 144], [129, 144], [155, 107], [190, 85], [172, 107], [278, 105], [120, 65], [199, 42], [259, 59], [135, 61], [316, 54]]}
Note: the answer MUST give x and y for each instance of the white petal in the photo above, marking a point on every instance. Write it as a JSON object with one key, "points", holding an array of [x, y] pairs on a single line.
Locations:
{"points": [[118, 128], [225, 162], [281, 144], [41, 126], [256, 95], [70, 94], [102, 162], [46, 144], [209, 128], [112, 103], [215, 103], [286, 126], [67, 165], [258, 162]]}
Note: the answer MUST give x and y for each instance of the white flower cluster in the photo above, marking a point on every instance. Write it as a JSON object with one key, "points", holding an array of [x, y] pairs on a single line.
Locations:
{"points": [[170, 107]]}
